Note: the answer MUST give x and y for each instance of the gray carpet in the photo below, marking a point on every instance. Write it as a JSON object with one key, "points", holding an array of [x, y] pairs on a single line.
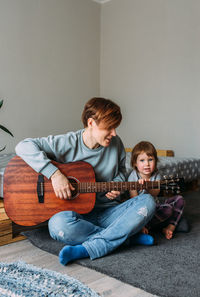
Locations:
{"points": [[168, 269]]}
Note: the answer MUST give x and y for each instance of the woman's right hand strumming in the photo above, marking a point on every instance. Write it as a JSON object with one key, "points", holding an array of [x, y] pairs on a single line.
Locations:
{"points": [[61, 185]]}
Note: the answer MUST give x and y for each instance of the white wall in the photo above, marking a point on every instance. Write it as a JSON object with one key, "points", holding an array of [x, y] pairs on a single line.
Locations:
{"points": [[150, 63], [49, 65]]}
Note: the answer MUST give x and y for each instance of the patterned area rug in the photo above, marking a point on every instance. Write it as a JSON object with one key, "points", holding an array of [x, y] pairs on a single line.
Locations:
{"points": [[19, 279]]}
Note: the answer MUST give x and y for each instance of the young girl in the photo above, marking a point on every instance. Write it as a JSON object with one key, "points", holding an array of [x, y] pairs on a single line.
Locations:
{"points": [[168, 214]]}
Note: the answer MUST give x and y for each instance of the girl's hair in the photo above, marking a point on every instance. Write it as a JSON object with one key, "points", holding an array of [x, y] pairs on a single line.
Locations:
{"points": [[146, 147], [101, 109]]}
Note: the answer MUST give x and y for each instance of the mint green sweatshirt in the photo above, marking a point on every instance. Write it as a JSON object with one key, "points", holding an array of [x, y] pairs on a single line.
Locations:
{"points": [[108, 162]]}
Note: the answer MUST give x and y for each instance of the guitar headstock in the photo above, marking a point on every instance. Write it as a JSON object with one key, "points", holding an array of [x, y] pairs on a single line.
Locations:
{"points": [[172, 184]]}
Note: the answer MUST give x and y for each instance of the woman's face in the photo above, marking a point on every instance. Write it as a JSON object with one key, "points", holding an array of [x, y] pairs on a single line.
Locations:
{"points": [[101, 134]]}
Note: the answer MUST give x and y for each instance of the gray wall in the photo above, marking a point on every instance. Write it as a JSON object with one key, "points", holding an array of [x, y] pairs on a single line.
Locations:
{"points": [[49, 65], [147, 58], [150, 62]]}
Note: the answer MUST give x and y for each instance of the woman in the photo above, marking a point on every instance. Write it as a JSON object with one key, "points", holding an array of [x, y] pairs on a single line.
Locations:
{"points": [[110, 223]]}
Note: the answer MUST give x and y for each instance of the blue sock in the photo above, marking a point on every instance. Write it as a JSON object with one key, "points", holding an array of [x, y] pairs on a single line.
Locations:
{"points": [[141, 238], [72, 252]]}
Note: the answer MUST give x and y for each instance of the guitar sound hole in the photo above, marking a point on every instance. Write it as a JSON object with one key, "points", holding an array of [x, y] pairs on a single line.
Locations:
{"points": [[75, 185]]}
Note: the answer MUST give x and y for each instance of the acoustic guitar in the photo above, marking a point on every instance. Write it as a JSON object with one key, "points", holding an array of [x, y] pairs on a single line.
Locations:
{"points": [[29, 198]]}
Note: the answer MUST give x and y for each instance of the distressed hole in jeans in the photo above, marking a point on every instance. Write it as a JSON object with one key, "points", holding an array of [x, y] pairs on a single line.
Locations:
{"points": [[61, 233], [143, 211]]}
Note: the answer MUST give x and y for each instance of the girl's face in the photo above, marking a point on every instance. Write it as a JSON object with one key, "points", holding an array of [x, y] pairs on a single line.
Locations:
{"points": [[145, 165]]}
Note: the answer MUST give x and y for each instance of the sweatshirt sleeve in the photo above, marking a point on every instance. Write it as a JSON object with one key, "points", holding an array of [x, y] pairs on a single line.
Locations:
{"points": [[122, 174], [38, 153]]}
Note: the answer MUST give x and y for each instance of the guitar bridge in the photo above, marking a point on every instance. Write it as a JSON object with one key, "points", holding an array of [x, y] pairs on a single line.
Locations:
{"points": [[40, 188]]}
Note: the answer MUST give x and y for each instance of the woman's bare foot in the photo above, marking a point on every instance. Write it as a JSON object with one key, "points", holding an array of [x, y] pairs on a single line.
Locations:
{"points": [[168, 231]]}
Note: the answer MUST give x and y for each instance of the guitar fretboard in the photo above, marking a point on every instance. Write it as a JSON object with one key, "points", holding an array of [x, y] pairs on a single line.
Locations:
{"points": [[90, 187]]}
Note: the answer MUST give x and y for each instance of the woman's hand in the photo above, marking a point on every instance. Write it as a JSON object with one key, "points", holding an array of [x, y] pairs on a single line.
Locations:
{"points": [[61, 185], [112, 195]]}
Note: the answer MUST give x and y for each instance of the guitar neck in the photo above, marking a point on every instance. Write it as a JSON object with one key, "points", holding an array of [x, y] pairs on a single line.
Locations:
{"points": [[94, 187]]}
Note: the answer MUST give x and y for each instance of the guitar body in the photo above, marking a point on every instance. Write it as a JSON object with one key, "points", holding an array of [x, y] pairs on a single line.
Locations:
{"points": [[21, 198]]}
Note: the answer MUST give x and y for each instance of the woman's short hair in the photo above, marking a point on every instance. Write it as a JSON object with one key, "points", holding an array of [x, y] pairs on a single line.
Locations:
{"points": [[102, 110]]}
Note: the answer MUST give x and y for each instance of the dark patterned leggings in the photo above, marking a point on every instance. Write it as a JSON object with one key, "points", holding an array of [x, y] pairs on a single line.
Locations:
{"points": [[169, 212]]}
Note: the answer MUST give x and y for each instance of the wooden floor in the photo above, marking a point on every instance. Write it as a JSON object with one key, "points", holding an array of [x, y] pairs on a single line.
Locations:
{"points": [[102, 284]]}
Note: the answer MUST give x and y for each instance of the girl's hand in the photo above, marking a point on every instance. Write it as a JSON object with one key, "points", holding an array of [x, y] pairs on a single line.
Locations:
{"points": [[145, 230], [141, 180], [153, 192], [112, 195]]}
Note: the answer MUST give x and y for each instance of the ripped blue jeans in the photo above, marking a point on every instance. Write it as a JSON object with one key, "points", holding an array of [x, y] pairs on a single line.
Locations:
{"points": [[103, 229]]}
